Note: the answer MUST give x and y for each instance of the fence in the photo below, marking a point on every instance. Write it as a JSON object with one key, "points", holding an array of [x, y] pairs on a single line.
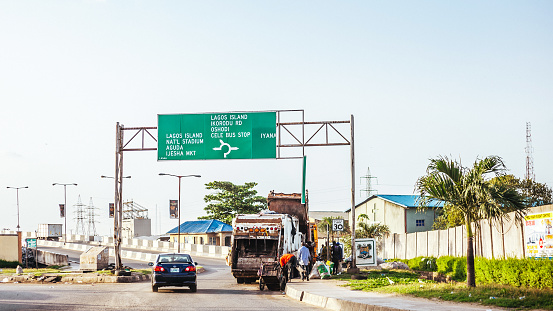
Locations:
{"points": [[491, 240]]}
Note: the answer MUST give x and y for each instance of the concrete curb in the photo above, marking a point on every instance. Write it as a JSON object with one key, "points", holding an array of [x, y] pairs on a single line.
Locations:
{"points": [[332, 303]]}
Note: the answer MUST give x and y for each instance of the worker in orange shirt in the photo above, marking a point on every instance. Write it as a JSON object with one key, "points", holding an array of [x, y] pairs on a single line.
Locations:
{"points": [[288, 263]]}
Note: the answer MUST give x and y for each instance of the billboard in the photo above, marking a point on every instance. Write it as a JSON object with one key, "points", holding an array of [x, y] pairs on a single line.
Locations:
{"points": [[62, 210], [539, 235], [173, 209], [212, 136]]}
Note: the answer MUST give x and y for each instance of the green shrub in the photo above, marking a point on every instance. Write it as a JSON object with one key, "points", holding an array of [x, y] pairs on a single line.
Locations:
{"points": [[445, 264], [459, 273], [528, 272], [9, 264], [455, 267]]}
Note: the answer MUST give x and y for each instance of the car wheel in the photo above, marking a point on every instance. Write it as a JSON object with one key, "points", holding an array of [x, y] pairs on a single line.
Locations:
{"points": [[193, 288], [154, 288]]}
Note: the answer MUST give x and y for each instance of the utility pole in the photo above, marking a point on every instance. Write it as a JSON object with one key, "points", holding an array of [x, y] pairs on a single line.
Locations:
{"points": [[118, 205], [353, 268]]}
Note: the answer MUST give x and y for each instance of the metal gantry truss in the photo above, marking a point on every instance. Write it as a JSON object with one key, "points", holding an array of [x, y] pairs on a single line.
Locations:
{"points": [[133, 210], [290, 134]]}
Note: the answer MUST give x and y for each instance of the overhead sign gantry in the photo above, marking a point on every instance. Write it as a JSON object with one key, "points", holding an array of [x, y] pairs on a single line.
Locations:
{"points": [[228, 135]]}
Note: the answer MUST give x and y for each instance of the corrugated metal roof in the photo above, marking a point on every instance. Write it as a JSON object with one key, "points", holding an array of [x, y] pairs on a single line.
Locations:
{"points": [[406, 200], [202, 226]]}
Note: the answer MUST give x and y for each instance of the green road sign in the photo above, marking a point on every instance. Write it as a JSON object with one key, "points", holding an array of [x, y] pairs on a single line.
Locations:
{"points": [[210, 136], [31, 243]]}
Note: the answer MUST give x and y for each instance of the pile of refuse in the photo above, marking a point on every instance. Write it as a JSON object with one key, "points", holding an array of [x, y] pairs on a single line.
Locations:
{"points": [[321, 270]]}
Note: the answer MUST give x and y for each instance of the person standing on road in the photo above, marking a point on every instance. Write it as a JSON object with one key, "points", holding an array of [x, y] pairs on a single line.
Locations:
{"points": [[336, 256], [304, 257], [288, 263]]}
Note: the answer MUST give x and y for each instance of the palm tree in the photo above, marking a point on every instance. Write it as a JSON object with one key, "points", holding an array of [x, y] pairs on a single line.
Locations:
{"points": [[370, 230], [470, 192]]}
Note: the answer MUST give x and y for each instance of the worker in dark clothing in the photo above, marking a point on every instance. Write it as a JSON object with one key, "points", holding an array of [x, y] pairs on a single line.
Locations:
{"points": [[337, 256], [288, 263]]}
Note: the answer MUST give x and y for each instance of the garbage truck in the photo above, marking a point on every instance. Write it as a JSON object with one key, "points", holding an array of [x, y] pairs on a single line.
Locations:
{"points": [[260, 239]]}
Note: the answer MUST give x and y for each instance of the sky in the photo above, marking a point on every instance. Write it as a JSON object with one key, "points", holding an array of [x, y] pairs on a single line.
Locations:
{"points": [[421, 79]]}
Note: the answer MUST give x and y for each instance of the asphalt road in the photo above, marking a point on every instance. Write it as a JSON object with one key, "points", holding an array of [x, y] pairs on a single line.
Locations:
{"points": [[217, 290]]}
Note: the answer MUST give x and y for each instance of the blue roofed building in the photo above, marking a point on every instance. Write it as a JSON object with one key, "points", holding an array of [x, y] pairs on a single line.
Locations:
{"points": [[207, 232], [398, 212]]}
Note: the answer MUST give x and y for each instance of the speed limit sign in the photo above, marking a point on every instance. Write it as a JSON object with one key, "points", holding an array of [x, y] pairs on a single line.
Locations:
{"points": [[337, 225]]}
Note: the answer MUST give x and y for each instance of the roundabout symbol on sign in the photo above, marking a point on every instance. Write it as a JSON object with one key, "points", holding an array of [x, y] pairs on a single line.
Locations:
{"points": [[228, 146]]}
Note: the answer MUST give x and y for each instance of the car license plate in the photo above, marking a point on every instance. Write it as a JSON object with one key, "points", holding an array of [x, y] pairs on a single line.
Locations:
{"points": [[177, 270]]}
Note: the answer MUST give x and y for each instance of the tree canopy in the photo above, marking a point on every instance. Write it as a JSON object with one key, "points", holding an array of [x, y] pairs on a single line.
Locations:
{"points": [[533, 193], [471, 193], [230, 200]]}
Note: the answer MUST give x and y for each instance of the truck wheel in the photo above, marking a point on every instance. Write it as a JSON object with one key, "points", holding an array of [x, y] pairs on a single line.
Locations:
{"points": [[154, 288], [261, 285], [240, 280]]}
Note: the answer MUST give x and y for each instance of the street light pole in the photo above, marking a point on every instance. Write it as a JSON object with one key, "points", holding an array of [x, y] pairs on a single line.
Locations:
{"points": [[178, 207], [64, 206], [17, 195]]}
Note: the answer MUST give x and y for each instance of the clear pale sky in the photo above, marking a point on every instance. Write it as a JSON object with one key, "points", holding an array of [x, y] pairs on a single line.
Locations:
{"points": [[422, 79]]}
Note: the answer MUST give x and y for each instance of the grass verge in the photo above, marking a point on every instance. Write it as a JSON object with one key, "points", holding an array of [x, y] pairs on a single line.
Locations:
{"points": [[409, 283]]}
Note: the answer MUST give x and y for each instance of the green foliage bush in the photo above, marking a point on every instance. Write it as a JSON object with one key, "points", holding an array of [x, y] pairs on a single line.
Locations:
{"points": [[456, 267], [530, 273], [8, 264], [527, 272]]}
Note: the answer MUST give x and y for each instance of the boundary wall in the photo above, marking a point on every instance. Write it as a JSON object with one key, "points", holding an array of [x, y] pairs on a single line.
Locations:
{"points": [[491, 240], [140, 247]]}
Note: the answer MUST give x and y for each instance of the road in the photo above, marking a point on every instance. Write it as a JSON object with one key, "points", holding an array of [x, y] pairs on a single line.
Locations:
{"points": [[217, 290]]}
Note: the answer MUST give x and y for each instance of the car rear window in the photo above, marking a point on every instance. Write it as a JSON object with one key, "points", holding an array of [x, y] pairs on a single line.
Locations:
{"points": [[175, 258]]}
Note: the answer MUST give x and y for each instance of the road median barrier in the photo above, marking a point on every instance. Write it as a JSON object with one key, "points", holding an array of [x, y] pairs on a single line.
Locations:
{"points": [[76, 278]]}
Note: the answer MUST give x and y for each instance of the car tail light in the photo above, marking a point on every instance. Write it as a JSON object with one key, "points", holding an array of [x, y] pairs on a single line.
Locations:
{"points": [[159, 269], [190, 269]]}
